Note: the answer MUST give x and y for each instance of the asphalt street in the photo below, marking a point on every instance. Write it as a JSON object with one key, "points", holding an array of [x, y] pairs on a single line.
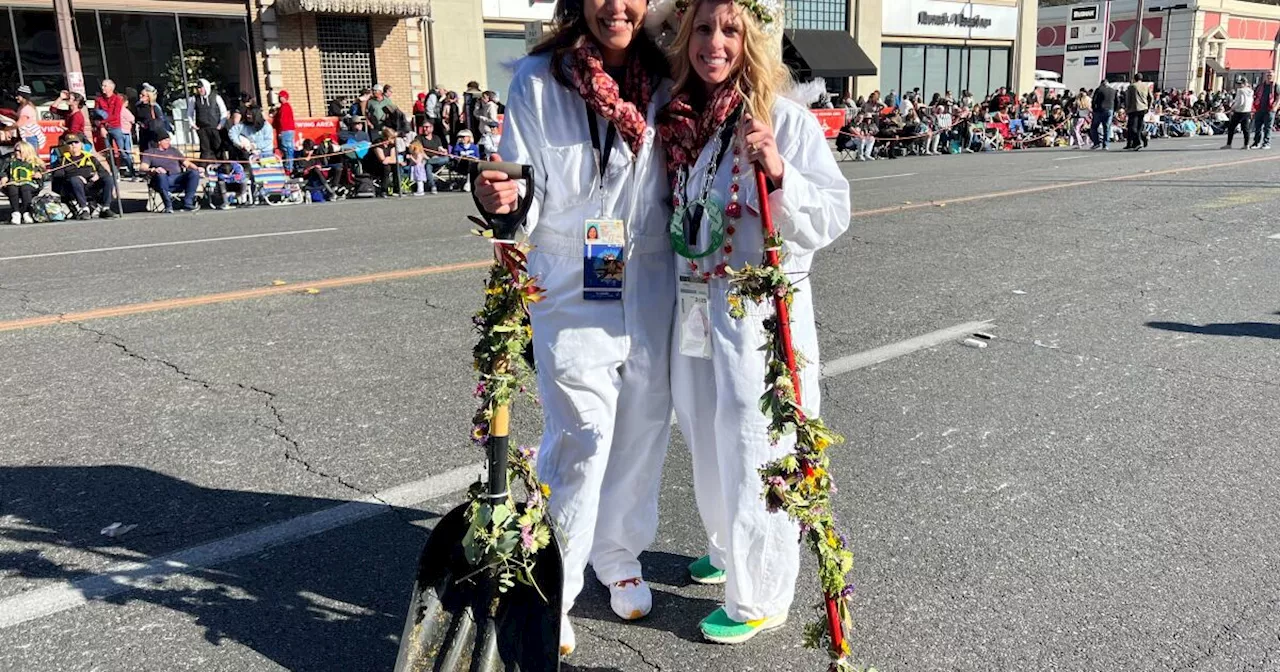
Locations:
{"points": [[1096, 490]]}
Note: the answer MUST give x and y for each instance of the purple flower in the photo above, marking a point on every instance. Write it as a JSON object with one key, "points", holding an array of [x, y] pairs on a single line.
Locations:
{"points": [[777, 482], [480, 389], [528, 452], [847, 592], [526, 537]]}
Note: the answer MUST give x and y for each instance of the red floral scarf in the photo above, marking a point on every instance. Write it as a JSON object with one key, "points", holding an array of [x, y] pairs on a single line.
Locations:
{"points": [[685, 131], [623, 107]]}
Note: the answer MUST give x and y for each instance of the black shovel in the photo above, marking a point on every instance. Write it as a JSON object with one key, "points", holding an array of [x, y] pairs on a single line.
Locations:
{"points": [[458, 619]]}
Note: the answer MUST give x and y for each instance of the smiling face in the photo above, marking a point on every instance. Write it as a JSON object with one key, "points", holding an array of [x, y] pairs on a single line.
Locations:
{"points": [[614, 24], [716, 44]]}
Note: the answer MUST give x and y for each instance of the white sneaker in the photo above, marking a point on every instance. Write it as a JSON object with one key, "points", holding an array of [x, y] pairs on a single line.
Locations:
{"points": [[567, 641], [27, 218], [15, 218], [631, 599], [466, 186]]}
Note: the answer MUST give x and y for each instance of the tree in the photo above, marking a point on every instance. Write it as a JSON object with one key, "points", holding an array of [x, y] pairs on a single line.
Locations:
{"points": [[199, 65]]}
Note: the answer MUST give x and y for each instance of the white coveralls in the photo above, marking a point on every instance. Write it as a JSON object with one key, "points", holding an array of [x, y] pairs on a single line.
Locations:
{"points": [[717, 399], [603, 366]]}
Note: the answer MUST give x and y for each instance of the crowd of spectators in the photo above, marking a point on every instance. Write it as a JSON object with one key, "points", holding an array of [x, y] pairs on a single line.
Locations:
{"points": [[379, 148], [905, 124]]}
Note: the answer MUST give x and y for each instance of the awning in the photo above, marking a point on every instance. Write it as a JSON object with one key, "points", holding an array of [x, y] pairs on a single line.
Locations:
{"points": [[384, 7], [1215, 66], [826, 53]]}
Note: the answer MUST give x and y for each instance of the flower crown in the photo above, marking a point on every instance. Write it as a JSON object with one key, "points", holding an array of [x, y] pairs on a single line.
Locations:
{"points": [[768, 13]]}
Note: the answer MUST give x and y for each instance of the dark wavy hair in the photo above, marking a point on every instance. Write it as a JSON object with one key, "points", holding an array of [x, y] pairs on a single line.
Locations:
{"points": [[571, 30]]}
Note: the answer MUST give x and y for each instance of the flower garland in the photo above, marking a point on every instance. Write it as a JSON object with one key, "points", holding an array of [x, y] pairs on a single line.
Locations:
{"points": [[800, 483], [506, 537]]}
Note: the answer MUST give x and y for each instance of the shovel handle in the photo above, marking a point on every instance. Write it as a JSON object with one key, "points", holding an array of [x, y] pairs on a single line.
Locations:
{"points": [[504, 227], [499, 444]]}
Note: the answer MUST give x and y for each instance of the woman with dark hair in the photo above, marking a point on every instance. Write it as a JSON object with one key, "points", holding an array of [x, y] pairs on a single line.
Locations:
{"points": [[582, 111]]}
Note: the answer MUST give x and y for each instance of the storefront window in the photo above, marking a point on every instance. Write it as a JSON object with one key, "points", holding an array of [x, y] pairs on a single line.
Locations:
{"points": [[890, 69], [38, 53], [143, 48], [935, 71], [979, 66], [912, 67], [817, 14], [217, 50], [9, 79], [91, 63], [957, 70], [999, 69], [500, 50]]}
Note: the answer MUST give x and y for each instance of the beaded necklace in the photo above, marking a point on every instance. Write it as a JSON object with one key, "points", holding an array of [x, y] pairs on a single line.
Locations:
{"points": [[686, 219]]}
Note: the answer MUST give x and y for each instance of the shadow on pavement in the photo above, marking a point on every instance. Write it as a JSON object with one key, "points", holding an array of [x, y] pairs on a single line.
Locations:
{"points": [[1252, 329], [672, 613], [334, 601]]}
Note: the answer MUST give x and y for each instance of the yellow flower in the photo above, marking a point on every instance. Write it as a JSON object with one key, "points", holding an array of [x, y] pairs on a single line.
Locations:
{"points": [[546, 489], [821, 442]]}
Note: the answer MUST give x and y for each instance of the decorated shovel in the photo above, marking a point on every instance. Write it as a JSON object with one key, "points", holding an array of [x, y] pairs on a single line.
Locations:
{"points": [[487, 593]]}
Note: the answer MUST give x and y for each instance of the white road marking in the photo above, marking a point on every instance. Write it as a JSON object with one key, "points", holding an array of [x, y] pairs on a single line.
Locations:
{"points": [[887, 352], [1275, 236], [123, 577], [879, 177], [68, 253], [120, 578], [1071, 158]]}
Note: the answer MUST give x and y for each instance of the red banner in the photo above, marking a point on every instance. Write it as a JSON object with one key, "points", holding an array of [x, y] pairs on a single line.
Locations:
{"points": [[831, 121], [314, 128]]}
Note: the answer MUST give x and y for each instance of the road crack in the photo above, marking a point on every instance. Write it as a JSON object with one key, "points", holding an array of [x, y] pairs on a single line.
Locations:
{"points": [[293, 448], [618, 640]]}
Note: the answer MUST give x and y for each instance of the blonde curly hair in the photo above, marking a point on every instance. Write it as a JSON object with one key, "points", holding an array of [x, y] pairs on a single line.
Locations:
{"points": [[762, 73]]}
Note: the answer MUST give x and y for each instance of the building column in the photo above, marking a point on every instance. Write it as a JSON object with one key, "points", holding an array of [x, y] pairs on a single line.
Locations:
{"points": [[67, 46], [868, 26]]}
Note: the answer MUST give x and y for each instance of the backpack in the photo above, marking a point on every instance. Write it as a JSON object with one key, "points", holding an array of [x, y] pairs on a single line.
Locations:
{"points": [[49, 209]]}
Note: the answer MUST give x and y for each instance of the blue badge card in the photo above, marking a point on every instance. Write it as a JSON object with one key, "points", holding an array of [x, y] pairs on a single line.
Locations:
{"points": [[603, 260]]}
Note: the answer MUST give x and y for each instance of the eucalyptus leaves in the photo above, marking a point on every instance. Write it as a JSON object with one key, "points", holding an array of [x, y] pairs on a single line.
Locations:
{"points": [[799, 483], [504, 536]]}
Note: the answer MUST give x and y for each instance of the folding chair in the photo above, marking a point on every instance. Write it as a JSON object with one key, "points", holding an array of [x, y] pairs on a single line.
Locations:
{"points": [[271, 185]]}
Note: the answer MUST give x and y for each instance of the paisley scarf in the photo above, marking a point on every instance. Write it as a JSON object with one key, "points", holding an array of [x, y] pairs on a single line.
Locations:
{"points": [[623, 107], [685, 131]]}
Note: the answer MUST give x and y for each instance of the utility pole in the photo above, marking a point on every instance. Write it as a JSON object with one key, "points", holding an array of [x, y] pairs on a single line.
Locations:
{"points": [[67, 46], [1137, 40]]}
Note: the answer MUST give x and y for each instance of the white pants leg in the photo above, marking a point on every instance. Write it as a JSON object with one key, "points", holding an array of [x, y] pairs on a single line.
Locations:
{"points": [[717, 405], [628, 521], [868, 145]]}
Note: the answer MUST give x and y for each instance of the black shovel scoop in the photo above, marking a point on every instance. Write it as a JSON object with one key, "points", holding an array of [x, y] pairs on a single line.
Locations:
{"points": [[458, 619]]}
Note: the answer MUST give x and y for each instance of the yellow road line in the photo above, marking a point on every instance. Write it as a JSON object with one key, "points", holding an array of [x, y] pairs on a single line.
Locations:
{"points": [[260, 292], [239, 295]]}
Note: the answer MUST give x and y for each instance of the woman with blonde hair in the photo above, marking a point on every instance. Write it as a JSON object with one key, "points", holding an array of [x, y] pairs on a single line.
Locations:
{"points": [[726, 116], [21, 181]]}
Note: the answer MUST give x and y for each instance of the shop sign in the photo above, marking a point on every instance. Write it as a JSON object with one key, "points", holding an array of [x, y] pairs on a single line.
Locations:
{"points": [[1086, 54], [938, 18], [831, 121]]}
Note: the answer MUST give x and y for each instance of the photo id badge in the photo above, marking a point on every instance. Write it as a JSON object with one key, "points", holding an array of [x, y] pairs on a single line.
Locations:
{"points": [[695, 318], [603, 259]]}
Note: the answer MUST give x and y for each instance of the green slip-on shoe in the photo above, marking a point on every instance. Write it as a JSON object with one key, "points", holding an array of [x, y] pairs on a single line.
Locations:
{"points": [[702, 571], [721, 629]]}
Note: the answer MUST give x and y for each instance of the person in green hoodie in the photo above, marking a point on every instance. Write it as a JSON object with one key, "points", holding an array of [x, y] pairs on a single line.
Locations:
{"points": [[21, 180]]}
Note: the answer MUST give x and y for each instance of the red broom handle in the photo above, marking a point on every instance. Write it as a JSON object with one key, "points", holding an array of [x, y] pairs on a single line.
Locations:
{"points": [[834, 624]]}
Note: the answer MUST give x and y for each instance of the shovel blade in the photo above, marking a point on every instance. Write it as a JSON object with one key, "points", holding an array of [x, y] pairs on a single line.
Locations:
{"points": [[458, 624]]}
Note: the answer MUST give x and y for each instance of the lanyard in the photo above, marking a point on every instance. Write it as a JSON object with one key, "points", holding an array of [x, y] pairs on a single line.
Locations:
{"points": [[602, 155], [724, 140]]}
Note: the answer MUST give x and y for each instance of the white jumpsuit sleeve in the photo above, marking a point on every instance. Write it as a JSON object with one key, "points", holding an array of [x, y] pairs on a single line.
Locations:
{"points": [[522, 142], [812, 208]]}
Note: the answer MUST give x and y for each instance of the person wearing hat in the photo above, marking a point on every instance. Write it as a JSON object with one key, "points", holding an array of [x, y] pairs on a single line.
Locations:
{"points": [[208, 113], [285, 125], [79, 175], [1241, 107], [466, 147], [170, 170], [28, 123], [110, 106]]}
